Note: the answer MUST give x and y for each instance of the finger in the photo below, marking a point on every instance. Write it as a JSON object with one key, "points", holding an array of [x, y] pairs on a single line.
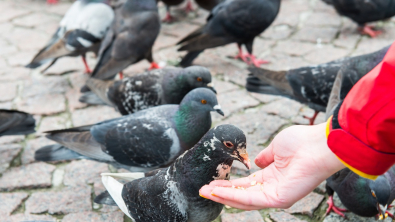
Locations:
{"points": [[206, 192], [251, 198], [265, 157]]}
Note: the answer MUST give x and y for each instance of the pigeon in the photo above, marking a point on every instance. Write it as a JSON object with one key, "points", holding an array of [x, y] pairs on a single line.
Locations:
{"points": [[80, 31], [129, 40], [232, 21], [14, 122], [365, 11], [364, 197], [140, 142], [149, 89], [208, 4], [312, 85], [172, 194]]}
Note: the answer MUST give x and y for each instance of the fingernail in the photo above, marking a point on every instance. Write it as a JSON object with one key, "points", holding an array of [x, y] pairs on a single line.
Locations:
{"points": [[213, 194], [202, 196]]}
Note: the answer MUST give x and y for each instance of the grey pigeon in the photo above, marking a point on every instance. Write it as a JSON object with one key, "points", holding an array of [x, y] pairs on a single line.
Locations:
{"points": [[129, 40], [365, 11], [312, 85], [80, 31], [149, 89], [14, 122], [172, 194], [232, 21], [143, 141]]}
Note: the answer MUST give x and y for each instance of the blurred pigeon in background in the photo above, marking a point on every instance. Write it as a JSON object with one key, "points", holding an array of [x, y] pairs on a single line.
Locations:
{"points": [[80, 31], [14, 122], [232, 21]]}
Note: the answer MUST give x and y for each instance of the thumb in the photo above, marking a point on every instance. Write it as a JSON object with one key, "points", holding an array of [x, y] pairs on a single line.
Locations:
{"points": [[265, 157]]}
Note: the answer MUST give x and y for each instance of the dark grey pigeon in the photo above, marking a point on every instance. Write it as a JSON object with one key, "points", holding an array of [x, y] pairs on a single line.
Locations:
{"points": [[14, 122], [365, 11], [208, 4], [80, 31], [232, 21], [129, 40], [172, 194], [312, 85], [149, 89], [143, 141]]}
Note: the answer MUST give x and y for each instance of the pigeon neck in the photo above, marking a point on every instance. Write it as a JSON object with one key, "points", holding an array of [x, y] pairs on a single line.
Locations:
{"points": [[191, 125], [176, 88], [199, 166]]}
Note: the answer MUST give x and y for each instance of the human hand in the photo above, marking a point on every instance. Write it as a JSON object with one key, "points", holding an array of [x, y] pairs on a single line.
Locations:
{"points": [[297, 161]]}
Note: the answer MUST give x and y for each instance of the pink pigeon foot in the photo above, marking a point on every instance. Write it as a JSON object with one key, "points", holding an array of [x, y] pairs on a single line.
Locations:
{"points": [[331, 206]]}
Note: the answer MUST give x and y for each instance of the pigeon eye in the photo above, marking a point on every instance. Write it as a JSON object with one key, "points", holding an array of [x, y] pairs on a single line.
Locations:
{"points": [[228, 144], [203, 101], [199, 79], [373, 193]]}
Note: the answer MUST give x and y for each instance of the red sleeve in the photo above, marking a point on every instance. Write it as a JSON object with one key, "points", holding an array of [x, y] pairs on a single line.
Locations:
{"points": [[365, 141]]}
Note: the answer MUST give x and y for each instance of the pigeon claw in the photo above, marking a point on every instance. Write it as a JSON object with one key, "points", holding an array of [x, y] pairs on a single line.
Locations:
{"points": [[87, 69], [312, 119], [188, 7], [337, 210], [52, 2], [154, 65], [252, 60], [369, 30], [168, 18]]}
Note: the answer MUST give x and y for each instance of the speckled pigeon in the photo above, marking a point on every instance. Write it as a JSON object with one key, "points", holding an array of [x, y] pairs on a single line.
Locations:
{"points": [[80, 31], [129, 40], [365, 11], [172, 194], [312, 85], [152, 88], [14, 122], [232, 21], [143, 141]]}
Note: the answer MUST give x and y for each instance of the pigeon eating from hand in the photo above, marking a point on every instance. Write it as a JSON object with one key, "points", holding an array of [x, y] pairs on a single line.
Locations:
{"points": [[152, 88], [232, 21], [80, 31], [312, 85], [172, 194], [139, 142], [129, 40], [14, 122], [365, 11]]}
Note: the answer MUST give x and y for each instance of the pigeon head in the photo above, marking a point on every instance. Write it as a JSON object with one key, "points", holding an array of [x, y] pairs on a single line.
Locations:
{"points": [[198, 76], [381, 191], [226, 142], [201, 100]]}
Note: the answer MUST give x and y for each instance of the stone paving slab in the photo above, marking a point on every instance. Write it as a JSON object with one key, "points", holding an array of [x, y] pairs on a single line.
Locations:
{"points": [[306, 32]]}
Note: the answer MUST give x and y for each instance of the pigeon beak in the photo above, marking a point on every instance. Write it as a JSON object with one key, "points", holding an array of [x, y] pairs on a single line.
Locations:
{"points": [[382, 211], [217, 108], [244, 158]]}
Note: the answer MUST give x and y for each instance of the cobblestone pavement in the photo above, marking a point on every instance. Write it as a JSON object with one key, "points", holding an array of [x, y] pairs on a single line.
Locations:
{"points": [[306, 32]]}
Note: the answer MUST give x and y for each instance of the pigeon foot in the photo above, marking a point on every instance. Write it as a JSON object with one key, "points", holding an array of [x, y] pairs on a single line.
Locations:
{"points": [[331, 206], [312, 119], [369, 30], [87, 69], [52, 2], [120, 75], [169, 18], [252, 60], [188, 8], [154, 65]]}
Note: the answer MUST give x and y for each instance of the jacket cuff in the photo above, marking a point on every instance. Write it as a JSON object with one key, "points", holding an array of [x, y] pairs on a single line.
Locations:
{"points": [[357, 156]]}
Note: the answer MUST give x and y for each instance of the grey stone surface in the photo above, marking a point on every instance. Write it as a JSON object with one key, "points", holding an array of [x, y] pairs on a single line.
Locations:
{"points": [[10, 202], [248, 216], [74, 176], [7, 154], [284, 217], [307, 205], [93, 216]]}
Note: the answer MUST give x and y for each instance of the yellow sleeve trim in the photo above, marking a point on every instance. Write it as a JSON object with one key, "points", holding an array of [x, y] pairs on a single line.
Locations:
{"points": [[328, 124], [360, 173]]}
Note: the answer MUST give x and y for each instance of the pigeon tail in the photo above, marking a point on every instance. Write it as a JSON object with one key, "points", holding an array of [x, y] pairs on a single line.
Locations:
{"points": [[188, 58], [105, 198], [56, 153], [115, 188], [20, 124], [91, 99], [277, 79], [100, 88]]}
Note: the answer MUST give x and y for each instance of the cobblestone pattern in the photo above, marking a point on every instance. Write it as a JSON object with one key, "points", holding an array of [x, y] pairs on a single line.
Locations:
{"points": [[306, 32]]}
